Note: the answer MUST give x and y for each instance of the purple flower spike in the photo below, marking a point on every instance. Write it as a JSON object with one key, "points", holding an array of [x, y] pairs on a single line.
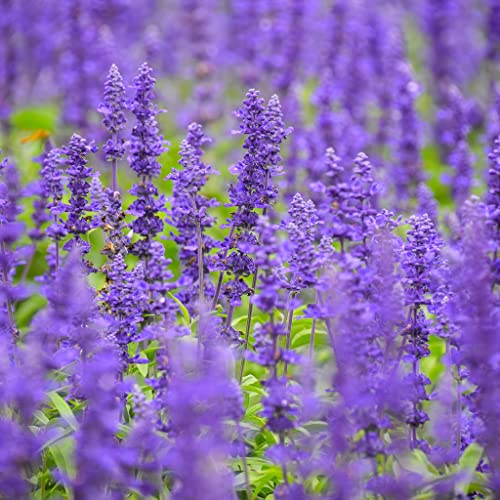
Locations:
{"points": [[77, 223], [477, 314], [420, 261], [407, 170], [146, 143], [493, 207], [113, 111], [190, 218], [301, 228]]}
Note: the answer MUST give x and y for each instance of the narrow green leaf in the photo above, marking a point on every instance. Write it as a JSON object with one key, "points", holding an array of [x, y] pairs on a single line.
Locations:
{"points": [[143, 368], [182, 307], [62, 453], [470, 457], [467, 466], [41, 417], [64, 410]]}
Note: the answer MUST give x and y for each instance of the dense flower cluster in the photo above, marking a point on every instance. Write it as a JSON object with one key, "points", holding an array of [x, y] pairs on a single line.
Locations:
{"points": [[319, 320]]}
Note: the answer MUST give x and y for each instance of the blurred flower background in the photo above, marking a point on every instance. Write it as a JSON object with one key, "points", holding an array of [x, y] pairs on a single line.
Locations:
{"points": [[249, 249]]}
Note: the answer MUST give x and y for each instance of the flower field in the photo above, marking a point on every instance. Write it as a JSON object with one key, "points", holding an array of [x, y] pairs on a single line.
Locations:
{"points": [[263, 264]]}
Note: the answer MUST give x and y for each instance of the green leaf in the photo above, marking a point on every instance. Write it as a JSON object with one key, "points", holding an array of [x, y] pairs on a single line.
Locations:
{"points": [[470, 457], [41, 417], [417, 462], [64, 410], [467, 466], [26, 309], [62, 453], [34, 118], [432, 365], [182, 307], [54, 440], [249, 380], [272, 476], [303, 338], [143, 368]]}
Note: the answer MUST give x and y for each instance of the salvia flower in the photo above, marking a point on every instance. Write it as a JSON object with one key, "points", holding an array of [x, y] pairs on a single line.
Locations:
{"points": [[41, 214], [332, 197], [198, 411], [96, 449], [420, 261], [190, 218], [146, 143], [362, 203], [407, 169], [123, 298], [107, 207], [113, 111], [493, 206], [10, 232], [279, 409], [427, 203], [79, 173], [199, 26], [478, 319], [51, 188], [301, 227], [453, 123], [265, 132], [19, 450]]}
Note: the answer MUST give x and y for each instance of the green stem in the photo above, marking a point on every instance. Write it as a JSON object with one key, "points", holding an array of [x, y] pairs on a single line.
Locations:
{"points": [[248, 325]]}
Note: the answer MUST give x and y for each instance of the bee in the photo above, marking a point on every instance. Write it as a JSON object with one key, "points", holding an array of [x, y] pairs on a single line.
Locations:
{"points": [[109, 247]]}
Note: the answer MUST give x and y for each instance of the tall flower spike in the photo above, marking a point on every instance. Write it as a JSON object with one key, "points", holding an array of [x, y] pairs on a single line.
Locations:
{"points": [[478, 318], [190, 218], [10, 232], [113, 110], [280, 405], [200, 384], [453, 126], [420, 262], [80, 62], [146, 144], [52, 188], [97, 453], [407, 170], [40, 214], [253, 190], [331, 198], [78, 173], [124, 298], [493, 32], [199, 27], [301, 227], [292, 16], [67, 328], [427, 203], [362, 204], [360, 357], [327, 123], [493, 206]]}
